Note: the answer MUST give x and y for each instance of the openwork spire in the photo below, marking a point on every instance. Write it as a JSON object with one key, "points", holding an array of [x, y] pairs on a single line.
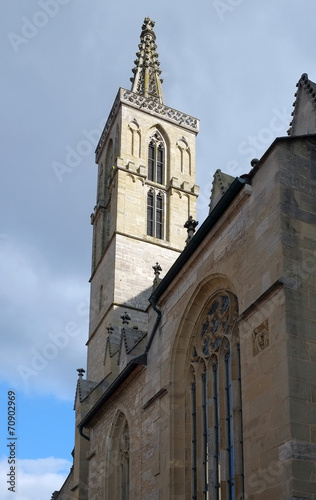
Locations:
{"points": [[146, 80]]}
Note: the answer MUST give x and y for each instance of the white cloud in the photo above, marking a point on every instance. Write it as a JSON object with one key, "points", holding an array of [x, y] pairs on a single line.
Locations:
{"points": [[36, 479], [45, 321]]}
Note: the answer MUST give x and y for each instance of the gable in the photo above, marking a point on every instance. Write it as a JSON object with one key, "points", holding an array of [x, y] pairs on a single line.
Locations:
{"points": [[221, 183], [304, 114]]}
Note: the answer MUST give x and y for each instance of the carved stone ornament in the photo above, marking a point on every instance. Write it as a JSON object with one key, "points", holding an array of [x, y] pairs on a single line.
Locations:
{"points": [[215, 326], [260, 337], [159, 109]]}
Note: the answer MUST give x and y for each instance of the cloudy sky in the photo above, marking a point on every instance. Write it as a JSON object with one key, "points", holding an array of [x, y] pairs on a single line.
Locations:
{"points": [[233, 64]]}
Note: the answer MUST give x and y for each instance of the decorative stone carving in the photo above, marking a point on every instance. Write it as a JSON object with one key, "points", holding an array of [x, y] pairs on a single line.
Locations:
{"points": [[216, 326], [157, 270], [148, 103], [190, 226], [81, 371], [125, 318], [159, 109], [260, 337]]}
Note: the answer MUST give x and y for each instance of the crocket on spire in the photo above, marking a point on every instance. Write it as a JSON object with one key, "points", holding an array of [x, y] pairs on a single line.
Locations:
{"points": [[146, 80]]}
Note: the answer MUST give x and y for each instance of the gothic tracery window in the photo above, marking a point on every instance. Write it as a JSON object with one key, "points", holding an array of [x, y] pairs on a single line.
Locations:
{"points": [[214, 396], [156, 159]]}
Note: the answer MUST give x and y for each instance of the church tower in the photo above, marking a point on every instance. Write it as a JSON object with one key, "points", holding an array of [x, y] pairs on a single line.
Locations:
{"points": [[146, 192]]}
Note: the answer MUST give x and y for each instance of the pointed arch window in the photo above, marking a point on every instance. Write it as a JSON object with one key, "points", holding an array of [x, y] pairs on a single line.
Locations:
{"points": [[117, 485], [124, 464], [215, 395], [155, 214], [156, 159]]}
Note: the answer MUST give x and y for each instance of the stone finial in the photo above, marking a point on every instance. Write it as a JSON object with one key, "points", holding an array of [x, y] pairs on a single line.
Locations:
{"points": [[157, 270], [146, 80], [190, 225], [81, 371], [110, 329], [125, 318]]}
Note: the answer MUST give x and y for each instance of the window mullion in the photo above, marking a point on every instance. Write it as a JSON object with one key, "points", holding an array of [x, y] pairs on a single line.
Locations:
{"points": [[240, 421], [230, 435], [216, 431], [194, 442], [204, 436]]}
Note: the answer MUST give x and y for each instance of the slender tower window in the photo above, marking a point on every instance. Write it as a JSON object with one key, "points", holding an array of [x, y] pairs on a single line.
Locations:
{"points": [[159, 205], [156, 159], [160, 162], [151, 160], [155, 214], [150, 213]]}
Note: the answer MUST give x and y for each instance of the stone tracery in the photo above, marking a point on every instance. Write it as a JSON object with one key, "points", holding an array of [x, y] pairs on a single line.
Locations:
{"points": [[215, 325]]}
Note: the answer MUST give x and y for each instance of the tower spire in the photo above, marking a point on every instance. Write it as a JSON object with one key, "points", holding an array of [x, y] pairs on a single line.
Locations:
{"points": [[146, 80]]}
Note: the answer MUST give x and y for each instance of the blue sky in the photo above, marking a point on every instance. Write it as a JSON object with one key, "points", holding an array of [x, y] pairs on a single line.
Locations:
{"points": [[233, 64]]}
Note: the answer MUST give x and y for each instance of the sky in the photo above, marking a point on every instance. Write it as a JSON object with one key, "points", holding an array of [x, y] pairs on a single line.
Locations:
{"points": [[233, 64]]}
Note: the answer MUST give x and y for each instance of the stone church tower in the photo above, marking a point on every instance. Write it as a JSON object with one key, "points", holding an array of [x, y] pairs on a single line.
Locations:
{"points": [[146, 192], [200, 385]]}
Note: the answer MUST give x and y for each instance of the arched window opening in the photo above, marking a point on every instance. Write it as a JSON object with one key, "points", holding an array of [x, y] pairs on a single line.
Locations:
{"points": [[156, 159], [117, 485], [216, 443], [124, 464], [155, 214]]}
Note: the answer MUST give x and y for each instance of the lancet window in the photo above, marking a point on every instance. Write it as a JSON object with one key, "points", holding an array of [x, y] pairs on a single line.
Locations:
{"points": [[155, 208], [156, 159], [214, 394], [117, 485], [124, 464]]}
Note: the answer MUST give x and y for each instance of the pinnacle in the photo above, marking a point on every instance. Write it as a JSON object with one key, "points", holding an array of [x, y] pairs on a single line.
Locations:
{"points": [[146, 80]]}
